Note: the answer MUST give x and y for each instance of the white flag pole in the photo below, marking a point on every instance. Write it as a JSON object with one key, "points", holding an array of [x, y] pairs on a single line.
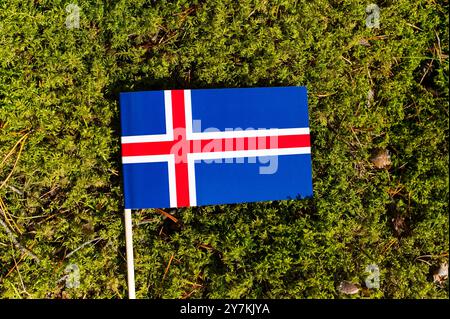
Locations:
{"points": [[130, 256]]}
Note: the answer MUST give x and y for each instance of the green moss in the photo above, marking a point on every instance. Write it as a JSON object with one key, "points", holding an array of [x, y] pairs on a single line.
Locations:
{"points": [[61, 87]]}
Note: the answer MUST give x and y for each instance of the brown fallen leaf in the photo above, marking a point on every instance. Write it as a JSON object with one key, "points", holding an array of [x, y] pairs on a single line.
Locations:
{"points": [[364, 42], [440, 276], [382, 159], [348, 288]]}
